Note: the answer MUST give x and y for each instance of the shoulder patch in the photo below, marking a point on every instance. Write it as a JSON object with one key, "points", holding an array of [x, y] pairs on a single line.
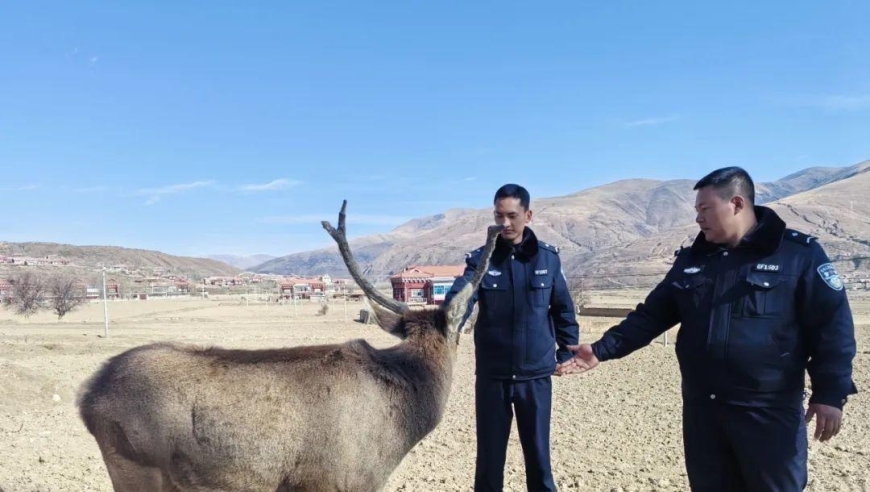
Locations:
{"points": [[831, 276], [798, 237], [473, 253], [549, 247]]}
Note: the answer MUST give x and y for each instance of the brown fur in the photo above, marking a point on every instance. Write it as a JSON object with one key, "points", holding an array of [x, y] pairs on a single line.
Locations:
{"points": [[179, 418], [329, 417]]}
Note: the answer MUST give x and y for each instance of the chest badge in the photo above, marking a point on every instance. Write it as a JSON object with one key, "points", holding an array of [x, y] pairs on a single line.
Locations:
{"points": [[692, 270], [494, 273], [540, 272]]}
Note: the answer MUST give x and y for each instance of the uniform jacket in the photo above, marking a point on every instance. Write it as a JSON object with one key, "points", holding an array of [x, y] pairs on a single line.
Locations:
{"points": [[753, 319], [524, 310]]}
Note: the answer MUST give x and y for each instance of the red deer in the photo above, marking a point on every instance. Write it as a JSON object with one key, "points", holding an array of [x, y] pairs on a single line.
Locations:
{"points": [[170, 417]]}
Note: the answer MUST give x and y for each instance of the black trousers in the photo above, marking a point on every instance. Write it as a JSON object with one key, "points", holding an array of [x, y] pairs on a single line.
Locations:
{"points": [[733, 448], [495, 403]]}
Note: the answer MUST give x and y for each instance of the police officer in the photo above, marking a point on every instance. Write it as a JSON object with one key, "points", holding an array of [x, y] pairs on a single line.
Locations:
{"points": [[758, 305], [524, 311]]}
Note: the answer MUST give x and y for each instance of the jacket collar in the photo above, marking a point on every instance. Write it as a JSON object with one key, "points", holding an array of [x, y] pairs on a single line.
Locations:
{"points": [[527, 248], [765, 237]]}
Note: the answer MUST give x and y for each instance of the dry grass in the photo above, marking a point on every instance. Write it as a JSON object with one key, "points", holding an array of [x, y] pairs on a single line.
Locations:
{"points": [[616, 427]]}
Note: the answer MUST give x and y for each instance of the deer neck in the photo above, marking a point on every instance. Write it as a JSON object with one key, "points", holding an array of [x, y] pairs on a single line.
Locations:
{"points": [[435, 355]]}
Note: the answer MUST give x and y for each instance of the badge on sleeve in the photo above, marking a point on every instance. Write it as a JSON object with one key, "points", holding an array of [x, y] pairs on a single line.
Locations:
{"points": [[831, 276]]}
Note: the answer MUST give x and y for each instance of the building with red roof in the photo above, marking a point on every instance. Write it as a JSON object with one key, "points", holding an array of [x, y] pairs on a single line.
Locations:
{"points": [[424, 284]]}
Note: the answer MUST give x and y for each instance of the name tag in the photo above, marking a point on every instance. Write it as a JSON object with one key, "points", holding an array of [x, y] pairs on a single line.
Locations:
{"points": [[766, 267], [540, 272]]}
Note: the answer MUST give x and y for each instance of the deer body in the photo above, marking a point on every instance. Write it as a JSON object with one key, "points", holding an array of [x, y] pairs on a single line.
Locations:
{"points": [[259, 420], [179, 418]]}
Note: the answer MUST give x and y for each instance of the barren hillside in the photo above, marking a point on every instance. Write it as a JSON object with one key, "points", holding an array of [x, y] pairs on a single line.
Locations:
{"points": [[579, 223], [837, 213], [241, 262], [618, 231], [93, 256]]}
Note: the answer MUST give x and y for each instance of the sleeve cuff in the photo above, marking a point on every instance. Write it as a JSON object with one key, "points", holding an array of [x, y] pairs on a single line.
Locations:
{"points": [[600, 354], [829, 400], [833, 399]]}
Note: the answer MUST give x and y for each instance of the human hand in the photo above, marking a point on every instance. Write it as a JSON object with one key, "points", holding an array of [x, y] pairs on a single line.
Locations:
{"points": [[567, 367], [828, 420], [584, 358]]}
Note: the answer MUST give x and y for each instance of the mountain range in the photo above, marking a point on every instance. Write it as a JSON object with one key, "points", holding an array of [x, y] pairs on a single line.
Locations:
{"points": [[241, 262], [620, 234], [133, 259]]}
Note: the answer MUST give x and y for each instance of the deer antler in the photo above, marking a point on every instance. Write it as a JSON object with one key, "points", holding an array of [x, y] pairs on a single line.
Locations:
{"points": [[353, 267], [459, 304], [492, 233]]}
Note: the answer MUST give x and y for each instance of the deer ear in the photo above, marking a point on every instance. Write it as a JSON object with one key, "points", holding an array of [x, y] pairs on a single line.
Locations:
{"points": [[389, 321]]}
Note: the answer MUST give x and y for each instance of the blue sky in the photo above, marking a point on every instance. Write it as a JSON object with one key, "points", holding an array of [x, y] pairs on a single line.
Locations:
{"points": [[203, 127]]}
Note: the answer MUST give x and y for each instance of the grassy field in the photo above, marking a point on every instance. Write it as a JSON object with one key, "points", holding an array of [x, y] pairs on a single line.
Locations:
{"points": [[617, 427]]}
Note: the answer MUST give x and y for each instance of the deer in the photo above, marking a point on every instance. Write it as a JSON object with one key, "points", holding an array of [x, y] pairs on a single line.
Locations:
{"points": [[171, 417]]}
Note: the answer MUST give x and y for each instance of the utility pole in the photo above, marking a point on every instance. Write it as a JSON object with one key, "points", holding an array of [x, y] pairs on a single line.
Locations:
{"points": [[105, 304]]}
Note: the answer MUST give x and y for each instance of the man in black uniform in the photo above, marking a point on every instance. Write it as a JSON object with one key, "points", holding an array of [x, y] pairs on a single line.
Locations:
{"points": [[525, 312], [758, 305]]}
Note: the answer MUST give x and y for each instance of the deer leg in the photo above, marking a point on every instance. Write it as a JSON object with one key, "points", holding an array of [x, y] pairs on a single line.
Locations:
{"points": [[129, 476]]}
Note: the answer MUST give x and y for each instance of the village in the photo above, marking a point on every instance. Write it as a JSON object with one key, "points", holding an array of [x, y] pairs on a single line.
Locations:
{"points": [[415, 285]]}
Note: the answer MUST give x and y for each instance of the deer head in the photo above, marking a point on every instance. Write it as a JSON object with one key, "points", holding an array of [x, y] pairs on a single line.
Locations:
{"points": [[390, 313]]}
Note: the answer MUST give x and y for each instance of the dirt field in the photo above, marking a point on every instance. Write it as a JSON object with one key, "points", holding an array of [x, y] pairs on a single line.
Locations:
{"points": [[615, 429]]}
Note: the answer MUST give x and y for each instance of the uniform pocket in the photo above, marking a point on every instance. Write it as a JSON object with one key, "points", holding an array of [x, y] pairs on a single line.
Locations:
{"points": [[492, 300], [542, 289], [690, 293], [495, 283], [766, 295]]}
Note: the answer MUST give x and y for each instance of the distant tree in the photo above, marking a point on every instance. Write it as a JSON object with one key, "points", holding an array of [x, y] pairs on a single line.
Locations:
{"points": [[27, 295], [66, 295]]}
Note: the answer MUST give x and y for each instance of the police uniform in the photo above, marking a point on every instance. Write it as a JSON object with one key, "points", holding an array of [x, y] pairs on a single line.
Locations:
{"points": [[753, 319], [524, 311]]}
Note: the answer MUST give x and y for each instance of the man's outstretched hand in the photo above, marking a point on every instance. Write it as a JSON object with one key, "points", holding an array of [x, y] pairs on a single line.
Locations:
{"points": [[584, 359]]}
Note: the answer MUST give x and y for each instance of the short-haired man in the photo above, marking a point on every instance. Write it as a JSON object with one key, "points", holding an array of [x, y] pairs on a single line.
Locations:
{"points": [[758, 305], [525, 311]]}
